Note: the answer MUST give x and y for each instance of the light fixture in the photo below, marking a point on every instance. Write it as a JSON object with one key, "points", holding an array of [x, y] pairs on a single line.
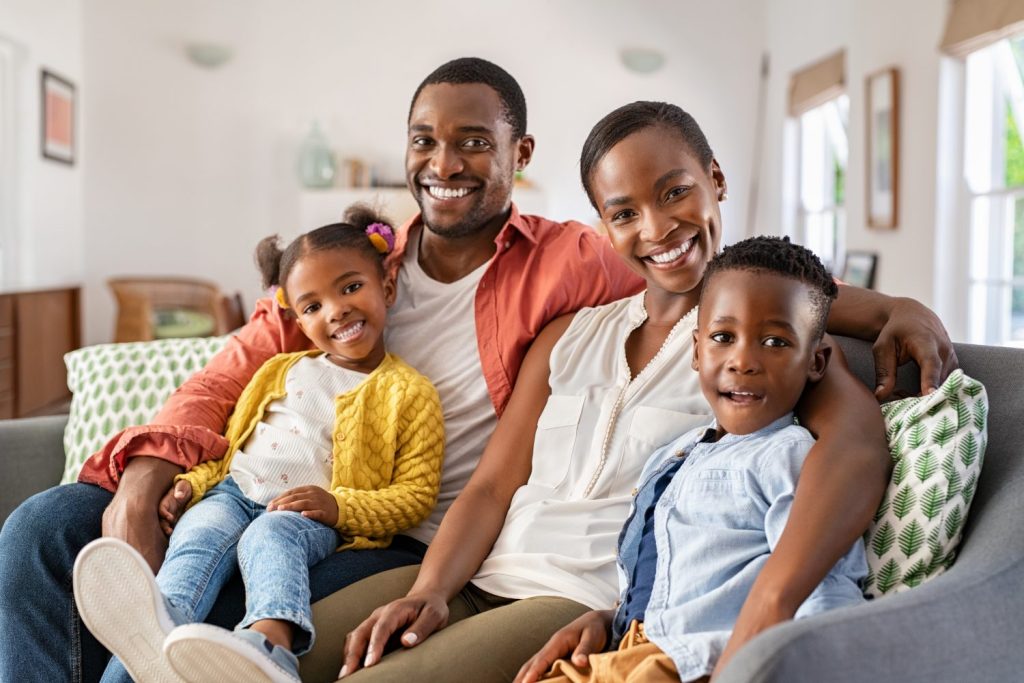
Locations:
{"points": [[642, 60], [208, 55]]}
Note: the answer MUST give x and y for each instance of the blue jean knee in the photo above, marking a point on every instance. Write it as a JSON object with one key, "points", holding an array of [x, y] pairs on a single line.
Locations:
{"points": [[275, 554]]}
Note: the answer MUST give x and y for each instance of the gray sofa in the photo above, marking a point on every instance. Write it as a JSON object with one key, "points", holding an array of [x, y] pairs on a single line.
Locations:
{"points": [[966, 625]]}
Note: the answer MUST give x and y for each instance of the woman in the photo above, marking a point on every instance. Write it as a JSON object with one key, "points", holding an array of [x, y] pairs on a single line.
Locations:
{"points": [[535, 527]]}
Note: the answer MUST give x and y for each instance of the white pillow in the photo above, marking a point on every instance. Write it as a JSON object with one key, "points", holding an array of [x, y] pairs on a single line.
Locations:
{"points": [[937, 444], [115, 386]]}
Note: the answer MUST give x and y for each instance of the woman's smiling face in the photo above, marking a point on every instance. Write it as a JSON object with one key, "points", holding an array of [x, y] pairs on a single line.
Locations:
{"points": [[660, 206]]}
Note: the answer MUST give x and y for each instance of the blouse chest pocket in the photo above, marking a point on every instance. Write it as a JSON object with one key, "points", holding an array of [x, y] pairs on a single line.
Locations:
{"points": [[555, 440]]}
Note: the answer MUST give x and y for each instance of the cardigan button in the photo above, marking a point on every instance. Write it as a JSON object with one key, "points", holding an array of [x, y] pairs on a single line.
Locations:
{"points": [[340, 436]]}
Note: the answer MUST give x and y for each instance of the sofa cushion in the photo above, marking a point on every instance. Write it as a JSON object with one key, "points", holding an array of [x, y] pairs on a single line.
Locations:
{"points": [[937, 444], [115, 386]]}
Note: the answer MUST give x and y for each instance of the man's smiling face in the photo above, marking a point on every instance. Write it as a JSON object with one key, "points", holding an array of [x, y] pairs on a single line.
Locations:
{"points": [[462, 157]]}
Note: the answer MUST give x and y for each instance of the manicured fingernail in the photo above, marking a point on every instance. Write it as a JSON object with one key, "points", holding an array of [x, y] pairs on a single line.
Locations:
{"points": [[368, 661], [409, 639], [879, 388], [343, 672]]}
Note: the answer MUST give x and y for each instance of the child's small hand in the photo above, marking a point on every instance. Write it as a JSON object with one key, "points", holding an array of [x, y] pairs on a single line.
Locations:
{"points": [[581, 638], [312, 501], [173, 504]]}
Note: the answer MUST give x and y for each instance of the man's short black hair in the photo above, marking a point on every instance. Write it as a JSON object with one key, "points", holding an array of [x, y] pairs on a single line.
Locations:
{"points": [[779, 255], [476, 70]]}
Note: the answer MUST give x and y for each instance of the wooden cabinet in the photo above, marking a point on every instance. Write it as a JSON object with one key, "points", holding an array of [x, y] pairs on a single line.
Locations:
{"points": [[37, 327]]}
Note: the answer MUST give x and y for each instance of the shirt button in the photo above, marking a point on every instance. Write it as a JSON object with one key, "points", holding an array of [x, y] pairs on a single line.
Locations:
{"points": [[634, 492], [679, 454]]}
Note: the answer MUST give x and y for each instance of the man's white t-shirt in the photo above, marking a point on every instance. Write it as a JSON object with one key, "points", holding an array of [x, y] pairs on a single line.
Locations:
{"points": [[432, 327]]}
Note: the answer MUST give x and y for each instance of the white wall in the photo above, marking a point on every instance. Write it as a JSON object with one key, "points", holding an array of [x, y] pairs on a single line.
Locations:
{"points": [[49, 224], [190, 167], [875, 34]]}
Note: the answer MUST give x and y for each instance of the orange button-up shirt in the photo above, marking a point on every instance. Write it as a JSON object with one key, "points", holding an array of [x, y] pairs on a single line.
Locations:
{"points": [[541, 270]]}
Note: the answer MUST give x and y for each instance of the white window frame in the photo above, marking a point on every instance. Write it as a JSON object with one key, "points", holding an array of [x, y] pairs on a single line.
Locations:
{"points": [[815, 194], [992, 78]]}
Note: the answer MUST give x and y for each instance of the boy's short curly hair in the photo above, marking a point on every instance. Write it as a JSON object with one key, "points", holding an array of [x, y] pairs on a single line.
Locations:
{"points": [[779, 255]]}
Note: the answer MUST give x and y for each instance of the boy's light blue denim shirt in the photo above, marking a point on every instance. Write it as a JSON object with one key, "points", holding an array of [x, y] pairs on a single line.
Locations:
{"points": [[717, 522]]}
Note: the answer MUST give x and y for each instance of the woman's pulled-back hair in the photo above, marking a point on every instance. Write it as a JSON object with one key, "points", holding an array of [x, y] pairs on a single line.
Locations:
{"points": [[635, 117], [275, 265]]}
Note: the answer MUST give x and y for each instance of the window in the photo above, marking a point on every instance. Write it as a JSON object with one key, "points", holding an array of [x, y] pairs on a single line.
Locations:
{"points": [[824, 152], [994, 174]]}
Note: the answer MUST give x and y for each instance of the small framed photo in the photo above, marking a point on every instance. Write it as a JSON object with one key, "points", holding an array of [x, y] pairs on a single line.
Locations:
{"points": [[57, 118], [882, 89], [859, 269]]}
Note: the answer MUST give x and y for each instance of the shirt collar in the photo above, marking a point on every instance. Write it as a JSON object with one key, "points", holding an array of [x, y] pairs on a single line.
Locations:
{"points": [[515, 223], [781, 423]]}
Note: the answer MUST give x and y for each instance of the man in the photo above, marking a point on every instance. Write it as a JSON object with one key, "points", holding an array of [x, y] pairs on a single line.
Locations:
{"points": [[477, 281]]}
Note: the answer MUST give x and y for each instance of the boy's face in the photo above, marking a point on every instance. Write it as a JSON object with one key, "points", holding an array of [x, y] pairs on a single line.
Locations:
{"points": [[754, 347]]}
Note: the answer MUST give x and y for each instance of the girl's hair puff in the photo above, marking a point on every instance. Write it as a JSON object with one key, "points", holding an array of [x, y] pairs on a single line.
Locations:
{"points": [[276, 265], [633, 118]]}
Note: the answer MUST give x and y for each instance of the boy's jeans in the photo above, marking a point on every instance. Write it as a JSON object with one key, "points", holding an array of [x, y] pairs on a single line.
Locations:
{"points": [[226, 531]]}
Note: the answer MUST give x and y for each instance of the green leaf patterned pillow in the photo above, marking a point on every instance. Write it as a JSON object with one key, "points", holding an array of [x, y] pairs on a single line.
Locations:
{"points": [[937, 444], [120, 385]]}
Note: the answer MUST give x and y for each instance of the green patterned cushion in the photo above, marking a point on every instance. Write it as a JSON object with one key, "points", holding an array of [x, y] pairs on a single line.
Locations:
{"points": [[937, 444], [120, 385]]}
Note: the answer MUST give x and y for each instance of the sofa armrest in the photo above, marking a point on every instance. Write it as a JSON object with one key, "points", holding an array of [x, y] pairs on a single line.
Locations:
{"points": [[31, 458]]}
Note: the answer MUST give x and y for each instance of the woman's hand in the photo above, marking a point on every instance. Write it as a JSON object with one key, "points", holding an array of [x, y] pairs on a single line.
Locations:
{"points": [[173, 504], [901, 329], [912, 332], [427, 612], [583, 637], [312, 501]]}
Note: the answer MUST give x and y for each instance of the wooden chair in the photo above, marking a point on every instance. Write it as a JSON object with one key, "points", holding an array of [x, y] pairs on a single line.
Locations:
{"points": [[202, 308]]}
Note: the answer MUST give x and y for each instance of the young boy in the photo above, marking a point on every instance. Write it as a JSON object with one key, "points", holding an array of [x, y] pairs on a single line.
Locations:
{"points": [[712, 505]]}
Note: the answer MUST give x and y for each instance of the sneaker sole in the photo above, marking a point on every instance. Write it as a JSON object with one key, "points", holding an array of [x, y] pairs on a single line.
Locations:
{"points": [[120, 603], [201, 653]]}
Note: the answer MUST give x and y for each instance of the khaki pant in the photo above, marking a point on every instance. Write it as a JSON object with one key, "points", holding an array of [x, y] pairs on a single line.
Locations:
{"points": [[488, 638], [637, 660]]}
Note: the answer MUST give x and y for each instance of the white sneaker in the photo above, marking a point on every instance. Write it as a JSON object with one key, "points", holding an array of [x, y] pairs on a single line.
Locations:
{"points": [[121, 604], [202, 653]]}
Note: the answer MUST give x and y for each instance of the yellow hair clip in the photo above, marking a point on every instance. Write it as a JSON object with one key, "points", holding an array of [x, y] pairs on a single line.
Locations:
{"points": [[379, 243], [279, 297]]}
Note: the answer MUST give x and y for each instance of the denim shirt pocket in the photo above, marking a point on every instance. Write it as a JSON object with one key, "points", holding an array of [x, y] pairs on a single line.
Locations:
{"points": [[716, 496], [555, 440]]}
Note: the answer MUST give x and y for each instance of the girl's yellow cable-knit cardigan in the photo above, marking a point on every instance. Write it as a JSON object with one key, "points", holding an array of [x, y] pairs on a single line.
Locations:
{"points": [[388, 447]]}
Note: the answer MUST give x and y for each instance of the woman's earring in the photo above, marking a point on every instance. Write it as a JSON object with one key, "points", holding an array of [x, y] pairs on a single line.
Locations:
{"points": [[723, 196]]}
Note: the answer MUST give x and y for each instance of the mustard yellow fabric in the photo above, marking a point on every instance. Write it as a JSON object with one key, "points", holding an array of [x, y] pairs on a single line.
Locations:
{"points": [[388, 447]]}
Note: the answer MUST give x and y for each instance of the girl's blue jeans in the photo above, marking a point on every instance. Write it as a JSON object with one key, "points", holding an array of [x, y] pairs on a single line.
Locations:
{"points": [[41, 636], [225, 532]]}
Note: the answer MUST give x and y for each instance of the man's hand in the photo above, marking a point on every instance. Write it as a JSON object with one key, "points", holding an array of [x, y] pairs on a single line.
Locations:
{"points": [[912, 332], [312, 501], [583, 637], [173, 504], [426, 613], [132, 515]]}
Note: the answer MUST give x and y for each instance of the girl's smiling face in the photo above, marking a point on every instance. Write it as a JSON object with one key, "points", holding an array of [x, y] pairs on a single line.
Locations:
{"points": [[340, 300], [660, 206]]}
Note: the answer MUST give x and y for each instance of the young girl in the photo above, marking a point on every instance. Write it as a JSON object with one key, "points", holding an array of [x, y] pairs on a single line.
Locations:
{"points": [[333, 449]]}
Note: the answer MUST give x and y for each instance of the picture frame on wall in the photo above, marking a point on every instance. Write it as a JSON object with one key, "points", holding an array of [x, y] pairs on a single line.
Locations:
{"points": [[882, 96], [859, 269], [57, 118]]}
